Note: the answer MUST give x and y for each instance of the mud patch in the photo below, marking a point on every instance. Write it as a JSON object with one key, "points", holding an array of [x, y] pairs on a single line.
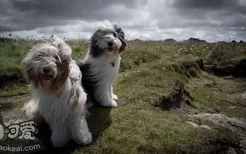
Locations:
{"points": [[179, 99]]}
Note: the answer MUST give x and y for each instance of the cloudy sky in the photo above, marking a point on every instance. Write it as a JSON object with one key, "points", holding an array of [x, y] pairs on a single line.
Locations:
{"points": [[212, 20]]}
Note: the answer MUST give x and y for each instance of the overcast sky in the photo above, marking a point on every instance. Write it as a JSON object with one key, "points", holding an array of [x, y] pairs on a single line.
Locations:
{"points": [[212, 20]]}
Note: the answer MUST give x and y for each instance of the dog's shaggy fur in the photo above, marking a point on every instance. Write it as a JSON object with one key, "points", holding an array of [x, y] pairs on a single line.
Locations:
{"points": [[58, 97], [101, 65]]}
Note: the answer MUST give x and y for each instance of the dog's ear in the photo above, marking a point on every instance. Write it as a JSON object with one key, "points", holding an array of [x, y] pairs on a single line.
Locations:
{"points": [[65, 50], [27, 66], [121, 35], [94, 49]]}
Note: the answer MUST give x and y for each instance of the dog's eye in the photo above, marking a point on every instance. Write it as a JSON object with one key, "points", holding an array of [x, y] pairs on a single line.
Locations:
{"points": [[57, 58], [114, 34], [37, 58]]}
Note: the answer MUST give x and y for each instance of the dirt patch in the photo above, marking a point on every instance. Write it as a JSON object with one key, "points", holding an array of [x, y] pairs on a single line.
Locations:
{"points": [[11, 78], [179, 99], [232, 67]]}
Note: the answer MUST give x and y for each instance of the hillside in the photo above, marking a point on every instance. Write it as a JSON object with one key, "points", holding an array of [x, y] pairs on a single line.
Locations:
{"points": [[174, 97]]}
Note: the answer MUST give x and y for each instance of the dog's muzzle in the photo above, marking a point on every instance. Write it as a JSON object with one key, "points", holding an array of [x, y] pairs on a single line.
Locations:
{"points": [[110, 47], [46, 75]]}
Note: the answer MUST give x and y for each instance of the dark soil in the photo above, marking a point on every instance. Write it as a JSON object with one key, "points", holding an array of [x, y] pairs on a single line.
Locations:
{"points": [[236, 68], [6, 79], [178, 99]]}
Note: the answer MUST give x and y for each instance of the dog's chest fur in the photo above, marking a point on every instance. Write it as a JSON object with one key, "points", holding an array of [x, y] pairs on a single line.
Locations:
{"points": [[52, 107], [107, 72], [99, 70]]}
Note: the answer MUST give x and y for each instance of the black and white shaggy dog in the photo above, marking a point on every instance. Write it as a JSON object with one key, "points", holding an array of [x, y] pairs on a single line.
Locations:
{"points": [[58, 97], [101, 64]]}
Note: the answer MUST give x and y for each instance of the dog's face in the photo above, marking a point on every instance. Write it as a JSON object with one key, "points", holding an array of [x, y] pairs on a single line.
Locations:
{"points": [[107, 41], [45, 67]]}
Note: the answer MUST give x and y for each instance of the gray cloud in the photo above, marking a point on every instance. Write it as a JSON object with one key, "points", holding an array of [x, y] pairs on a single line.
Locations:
{"points": [[205, 4], [212, 20], [226, 12], [29, 14]]}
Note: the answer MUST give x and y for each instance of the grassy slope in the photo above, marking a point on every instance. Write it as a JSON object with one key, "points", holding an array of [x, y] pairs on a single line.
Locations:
{"points": [[11, 55], [148, 71]]}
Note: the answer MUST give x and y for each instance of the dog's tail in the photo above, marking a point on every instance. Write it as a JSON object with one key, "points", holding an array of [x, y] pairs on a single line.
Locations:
{"points": [[65, 50]]}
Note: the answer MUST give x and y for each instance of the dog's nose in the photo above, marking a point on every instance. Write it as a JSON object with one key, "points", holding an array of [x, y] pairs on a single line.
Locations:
{"points": [[110, 43], [46, 70]]}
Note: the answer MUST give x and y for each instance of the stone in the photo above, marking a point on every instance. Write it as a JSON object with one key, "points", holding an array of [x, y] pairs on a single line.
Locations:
{"points": [[192, 124], [205, 127]]}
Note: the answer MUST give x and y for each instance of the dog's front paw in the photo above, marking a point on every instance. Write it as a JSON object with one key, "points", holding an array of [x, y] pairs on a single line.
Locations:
{"points": [[59, 139], [114, 97], [58, 143], [85, 139], [89, 104], [111, 103]]}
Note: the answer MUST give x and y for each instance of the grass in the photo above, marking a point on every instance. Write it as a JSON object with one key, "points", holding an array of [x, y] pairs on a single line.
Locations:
{"points": [[148, 71], [11, 55]]}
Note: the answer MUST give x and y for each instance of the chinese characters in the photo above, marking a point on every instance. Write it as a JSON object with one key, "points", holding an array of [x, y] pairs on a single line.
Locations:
{"points": [[18, 129]]}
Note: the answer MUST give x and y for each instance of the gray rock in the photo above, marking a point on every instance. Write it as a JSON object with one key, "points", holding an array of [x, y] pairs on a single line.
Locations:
{"points": [[205, 127], [236, 125], [192, 124]]}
